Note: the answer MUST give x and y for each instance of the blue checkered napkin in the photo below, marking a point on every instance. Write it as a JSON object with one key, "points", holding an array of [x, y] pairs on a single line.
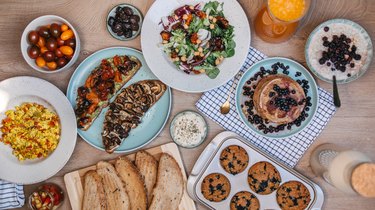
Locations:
{"points": [[288, 150], [11, 195]]}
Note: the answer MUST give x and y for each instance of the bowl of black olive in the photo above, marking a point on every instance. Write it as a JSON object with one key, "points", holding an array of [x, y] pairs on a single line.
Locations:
{"points": [[124, 22]]}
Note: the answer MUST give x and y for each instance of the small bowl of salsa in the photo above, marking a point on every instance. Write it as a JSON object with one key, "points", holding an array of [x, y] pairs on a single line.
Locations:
{"points": [[48, 196], [188, 129]]}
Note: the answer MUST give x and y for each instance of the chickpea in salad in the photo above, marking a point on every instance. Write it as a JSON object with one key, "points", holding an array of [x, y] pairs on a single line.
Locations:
{"points": [[198, 38]]}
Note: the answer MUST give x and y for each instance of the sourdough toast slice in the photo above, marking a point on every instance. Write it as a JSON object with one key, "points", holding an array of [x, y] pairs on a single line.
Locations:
{"points": [[94, 197], [114, 189], [134, 184], [169, 187], [148, 167]]}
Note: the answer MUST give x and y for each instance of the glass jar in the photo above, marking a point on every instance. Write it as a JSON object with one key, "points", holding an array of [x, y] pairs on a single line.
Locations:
{"points": [[350, 171], [48, 196], [278, 20]]}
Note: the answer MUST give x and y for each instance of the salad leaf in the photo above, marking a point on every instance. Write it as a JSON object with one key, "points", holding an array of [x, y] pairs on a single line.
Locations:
{"points": [[211, 71], [214, 8]]}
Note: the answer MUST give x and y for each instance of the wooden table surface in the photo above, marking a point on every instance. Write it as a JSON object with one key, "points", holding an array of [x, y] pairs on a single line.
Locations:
{"points": [[352, 126]]}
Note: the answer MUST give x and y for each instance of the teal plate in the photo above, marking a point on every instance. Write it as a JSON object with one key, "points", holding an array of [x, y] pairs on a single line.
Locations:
{"points": [[294, 67], [154, 119]]}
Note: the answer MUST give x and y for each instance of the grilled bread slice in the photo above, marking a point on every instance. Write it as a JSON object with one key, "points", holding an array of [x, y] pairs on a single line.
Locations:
{"points": [[94, 197], [134, 183], [114, 189], [126, 112], [102, 83], [169, 186], [148, 167]]}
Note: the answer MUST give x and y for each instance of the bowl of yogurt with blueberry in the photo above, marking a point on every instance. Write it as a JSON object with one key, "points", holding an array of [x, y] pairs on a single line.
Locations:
{"points": [[340, 48]]}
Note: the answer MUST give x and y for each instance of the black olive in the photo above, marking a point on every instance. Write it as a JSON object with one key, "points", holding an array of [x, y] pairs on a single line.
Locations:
{"points": [[117, 28], [111, 20], [118, 9], [127, 10], [135, 27], [120, 33], [128, 33], [134, 19], [126, 26]]}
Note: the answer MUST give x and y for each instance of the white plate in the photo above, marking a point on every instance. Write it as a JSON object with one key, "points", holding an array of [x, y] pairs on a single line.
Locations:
{"points": [[167, 71], [17, 90]]}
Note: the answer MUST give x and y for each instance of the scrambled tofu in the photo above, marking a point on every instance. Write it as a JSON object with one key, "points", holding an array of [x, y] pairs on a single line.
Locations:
{"points": [[31, 130]]}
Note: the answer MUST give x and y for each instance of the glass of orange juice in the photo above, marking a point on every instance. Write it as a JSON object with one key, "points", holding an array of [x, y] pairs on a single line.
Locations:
{"points": [[278, 20]]}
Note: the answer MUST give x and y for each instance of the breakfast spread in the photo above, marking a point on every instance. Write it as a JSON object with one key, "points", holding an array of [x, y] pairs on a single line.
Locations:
{"points": [[215, 187], [126, 111], [244, 200], [102, 83], [231, 173], [275, 102], [337, 48], [234, 159], [125, 22], [32, 131], [198, 38], [188, 129], [293, 195], [52, 46]]}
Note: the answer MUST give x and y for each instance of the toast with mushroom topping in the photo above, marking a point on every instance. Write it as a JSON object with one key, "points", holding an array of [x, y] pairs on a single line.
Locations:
{"points": [[126, 111], [102, 83]]}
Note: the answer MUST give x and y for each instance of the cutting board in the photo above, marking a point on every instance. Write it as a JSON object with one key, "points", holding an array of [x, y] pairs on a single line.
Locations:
{"points": [[74, 180]]}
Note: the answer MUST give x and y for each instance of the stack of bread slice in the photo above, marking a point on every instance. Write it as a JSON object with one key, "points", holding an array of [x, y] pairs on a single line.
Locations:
{"points": [[143, 184]]}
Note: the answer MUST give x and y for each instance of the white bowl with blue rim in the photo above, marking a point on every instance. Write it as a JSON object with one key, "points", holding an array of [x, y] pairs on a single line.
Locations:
{"points": [[361, 32]]}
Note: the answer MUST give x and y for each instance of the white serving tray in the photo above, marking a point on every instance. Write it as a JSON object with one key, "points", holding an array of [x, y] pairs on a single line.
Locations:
{"points": [[208, 163]]}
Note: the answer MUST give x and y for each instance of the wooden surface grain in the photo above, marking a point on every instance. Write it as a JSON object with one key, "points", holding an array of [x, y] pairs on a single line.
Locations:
{"points": [[352, 125]]}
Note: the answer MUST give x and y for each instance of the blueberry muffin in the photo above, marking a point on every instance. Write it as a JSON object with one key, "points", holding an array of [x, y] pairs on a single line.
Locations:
{"points": [[263, 178], [245, 201], [234, 159], [215, 187], [293, 195]]}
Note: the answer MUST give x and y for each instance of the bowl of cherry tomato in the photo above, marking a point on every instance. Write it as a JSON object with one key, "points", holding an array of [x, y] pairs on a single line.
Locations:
{"points": [[50, 44], [48, 196]]}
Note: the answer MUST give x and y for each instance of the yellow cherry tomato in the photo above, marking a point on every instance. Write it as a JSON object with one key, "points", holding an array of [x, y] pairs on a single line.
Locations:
{"points": [[52, 65], [66, 50], [68, 34], [43, 50], [40, 62], [64, 27], [41, 42]]}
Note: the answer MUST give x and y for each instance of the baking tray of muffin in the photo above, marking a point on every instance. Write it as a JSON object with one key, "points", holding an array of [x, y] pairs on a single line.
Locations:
{"points": [[231, 173]]}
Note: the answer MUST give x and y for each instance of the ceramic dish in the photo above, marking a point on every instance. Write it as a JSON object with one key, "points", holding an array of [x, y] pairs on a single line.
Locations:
{"points": [[199, 118], [112, 13], [294, 67], [42, 21], [167, 71], [14, 92], [360, 31], [209, 162], [152, 122]]}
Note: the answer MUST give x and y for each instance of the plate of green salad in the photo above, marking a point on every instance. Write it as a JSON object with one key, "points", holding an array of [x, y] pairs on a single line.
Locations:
{"points": [[195, 46]]}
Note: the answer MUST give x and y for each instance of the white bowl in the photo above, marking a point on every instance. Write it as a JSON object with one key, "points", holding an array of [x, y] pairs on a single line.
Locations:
{"points": [[42, 21]]}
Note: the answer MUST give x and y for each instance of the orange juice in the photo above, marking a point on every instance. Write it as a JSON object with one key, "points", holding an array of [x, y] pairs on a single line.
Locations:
{"points": [[278, 20], [287, 10]]}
